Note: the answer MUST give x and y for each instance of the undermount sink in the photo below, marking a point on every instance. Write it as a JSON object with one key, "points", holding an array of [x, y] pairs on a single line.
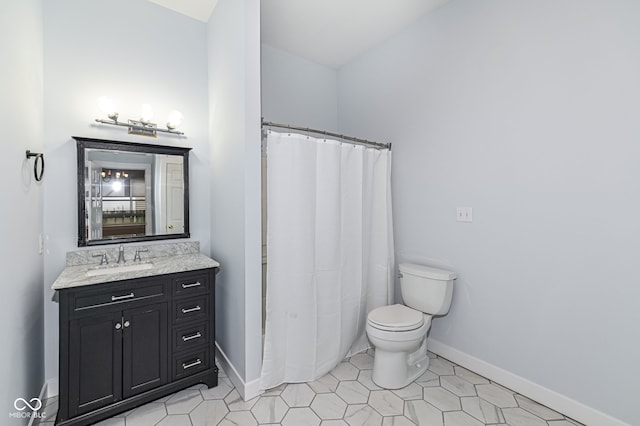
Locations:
{"points": [[119, 269]]}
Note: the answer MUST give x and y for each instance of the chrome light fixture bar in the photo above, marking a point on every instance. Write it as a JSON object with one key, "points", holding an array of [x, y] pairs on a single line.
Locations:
{"points": [[139, 128], [142, 127]]}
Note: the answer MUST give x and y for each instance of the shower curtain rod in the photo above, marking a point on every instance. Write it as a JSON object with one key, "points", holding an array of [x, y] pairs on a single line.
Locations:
{"points": [[324, 132]]}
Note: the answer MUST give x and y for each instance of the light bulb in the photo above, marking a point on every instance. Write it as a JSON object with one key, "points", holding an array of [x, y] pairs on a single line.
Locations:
{"points": [[175, 119], [107, 106], [147, 113]]}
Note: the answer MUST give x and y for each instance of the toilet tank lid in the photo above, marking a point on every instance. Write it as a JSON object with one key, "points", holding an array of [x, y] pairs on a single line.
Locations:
{"points": [[426, 271]]}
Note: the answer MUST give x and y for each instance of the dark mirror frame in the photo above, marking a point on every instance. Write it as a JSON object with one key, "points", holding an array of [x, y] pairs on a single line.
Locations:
{"points": [[89, 143]]}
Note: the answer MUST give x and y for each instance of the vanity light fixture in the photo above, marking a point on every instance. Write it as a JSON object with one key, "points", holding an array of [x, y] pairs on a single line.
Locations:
{"points": [[147, 114], [106, 174], [143, 126], [175, 120]]}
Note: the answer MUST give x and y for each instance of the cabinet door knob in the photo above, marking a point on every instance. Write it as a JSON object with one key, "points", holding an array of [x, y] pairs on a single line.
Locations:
{"points": [[118, 326], [126, 324]]}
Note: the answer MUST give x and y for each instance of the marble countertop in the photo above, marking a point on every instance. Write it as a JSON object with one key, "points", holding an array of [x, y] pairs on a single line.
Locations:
{"points": [[75, 275]]}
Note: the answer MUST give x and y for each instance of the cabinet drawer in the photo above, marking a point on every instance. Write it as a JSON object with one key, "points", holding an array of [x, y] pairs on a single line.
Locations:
{"points": [[190, 363], [118, 295], [191, 284], [191, 308], [192, 335]]}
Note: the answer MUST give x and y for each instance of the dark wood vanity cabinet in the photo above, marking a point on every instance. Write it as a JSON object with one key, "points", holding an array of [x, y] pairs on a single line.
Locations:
{"points": [[116, 355], [126, 343]]}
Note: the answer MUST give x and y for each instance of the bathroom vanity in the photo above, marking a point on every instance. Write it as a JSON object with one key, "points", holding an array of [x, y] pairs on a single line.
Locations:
{"points": [[131, 333]]}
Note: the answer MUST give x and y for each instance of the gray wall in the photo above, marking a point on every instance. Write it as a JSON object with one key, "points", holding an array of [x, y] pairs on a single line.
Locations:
{"points": [[234, 107], [135, 52], [298, 91], [527, 112], [21, 126]]}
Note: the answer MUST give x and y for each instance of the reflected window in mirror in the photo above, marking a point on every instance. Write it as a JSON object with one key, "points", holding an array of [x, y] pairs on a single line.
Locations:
{"points": [[131, 192]]}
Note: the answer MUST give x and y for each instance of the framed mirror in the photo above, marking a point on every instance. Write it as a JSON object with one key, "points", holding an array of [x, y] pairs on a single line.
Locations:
{"points": [[131, 192]]}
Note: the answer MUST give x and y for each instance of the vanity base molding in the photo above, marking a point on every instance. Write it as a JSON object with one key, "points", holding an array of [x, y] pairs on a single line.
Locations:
{"points": [[126, 343], [207, 378]]}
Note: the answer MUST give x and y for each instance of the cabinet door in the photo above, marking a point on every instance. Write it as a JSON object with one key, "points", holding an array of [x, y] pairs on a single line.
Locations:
{"points": [[145, 348], [95, 362]]}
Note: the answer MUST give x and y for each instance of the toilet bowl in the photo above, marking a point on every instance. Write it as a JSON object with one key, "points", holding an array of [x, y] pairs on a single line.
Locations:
{"points": [[398, 332], [400, 349]]}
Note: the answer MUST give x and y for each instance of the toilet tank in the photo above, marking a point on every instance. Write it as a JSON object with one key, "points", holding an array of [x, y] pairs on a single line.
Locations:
{"points": [[425, 288]]}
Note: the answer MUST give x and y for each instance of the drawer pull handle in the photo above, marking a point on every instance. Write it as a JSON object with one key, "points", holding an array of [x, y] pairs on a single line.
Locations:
{"points": [[193, 364], [126, 296], [194, 309], [196, 284], [193, 336]]}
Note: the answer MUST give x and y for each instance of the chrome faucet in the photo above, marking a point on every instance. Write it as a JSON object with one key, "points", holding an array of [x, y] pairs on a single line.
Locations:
{"points": [[121, 258], [104, 260], [136, 257]]}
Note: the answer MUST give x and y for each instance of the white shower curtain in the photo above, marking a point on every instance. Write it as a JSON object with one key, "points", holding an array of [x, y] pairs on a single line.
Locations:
{"points": [[330, 253]]}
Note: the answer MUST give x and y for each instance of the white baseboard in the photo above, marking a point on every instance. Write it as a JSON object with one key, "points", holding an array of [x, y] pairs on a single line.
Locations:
{"points": [[246, 390], [252, 389], [565, 405], [41, 397], [52, 388]]}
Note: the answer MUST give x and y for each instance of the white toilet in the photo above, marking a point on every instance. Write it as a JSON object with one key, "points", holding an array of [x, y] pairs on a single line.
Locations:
{"points": [[399, 332]]}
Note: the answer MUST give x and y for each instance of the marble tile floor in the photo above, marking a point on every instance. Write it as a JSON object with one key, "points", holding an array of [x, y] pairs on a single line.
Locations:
{"points": [[445, 395]]}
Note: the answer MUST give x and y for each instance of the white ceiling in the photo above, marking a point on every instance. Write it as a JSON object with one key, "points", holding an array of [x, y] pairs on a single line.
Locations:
{"points": [[329, 32]]}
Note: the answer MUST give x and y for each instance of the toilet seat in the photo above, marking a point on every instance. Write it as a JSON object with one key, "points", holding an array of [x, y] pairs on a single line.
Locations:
{"points": [[395, 318]]}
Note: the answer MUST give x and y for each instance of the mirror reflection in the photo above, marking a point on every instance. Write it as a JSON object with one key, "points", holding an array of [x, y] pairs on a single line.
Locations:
{"points": [[122, 195], [132, 192]]}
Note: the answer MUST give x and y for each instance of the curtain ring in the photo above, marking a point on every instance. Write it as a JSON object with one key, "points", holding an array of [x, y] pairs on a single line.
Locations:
{"points": [[39, 159]]}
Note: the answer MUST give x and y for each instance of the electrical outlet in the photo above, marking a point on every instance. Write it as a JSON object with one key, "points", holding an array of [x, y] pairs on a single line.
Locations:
{"points": [[464, 214]]}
